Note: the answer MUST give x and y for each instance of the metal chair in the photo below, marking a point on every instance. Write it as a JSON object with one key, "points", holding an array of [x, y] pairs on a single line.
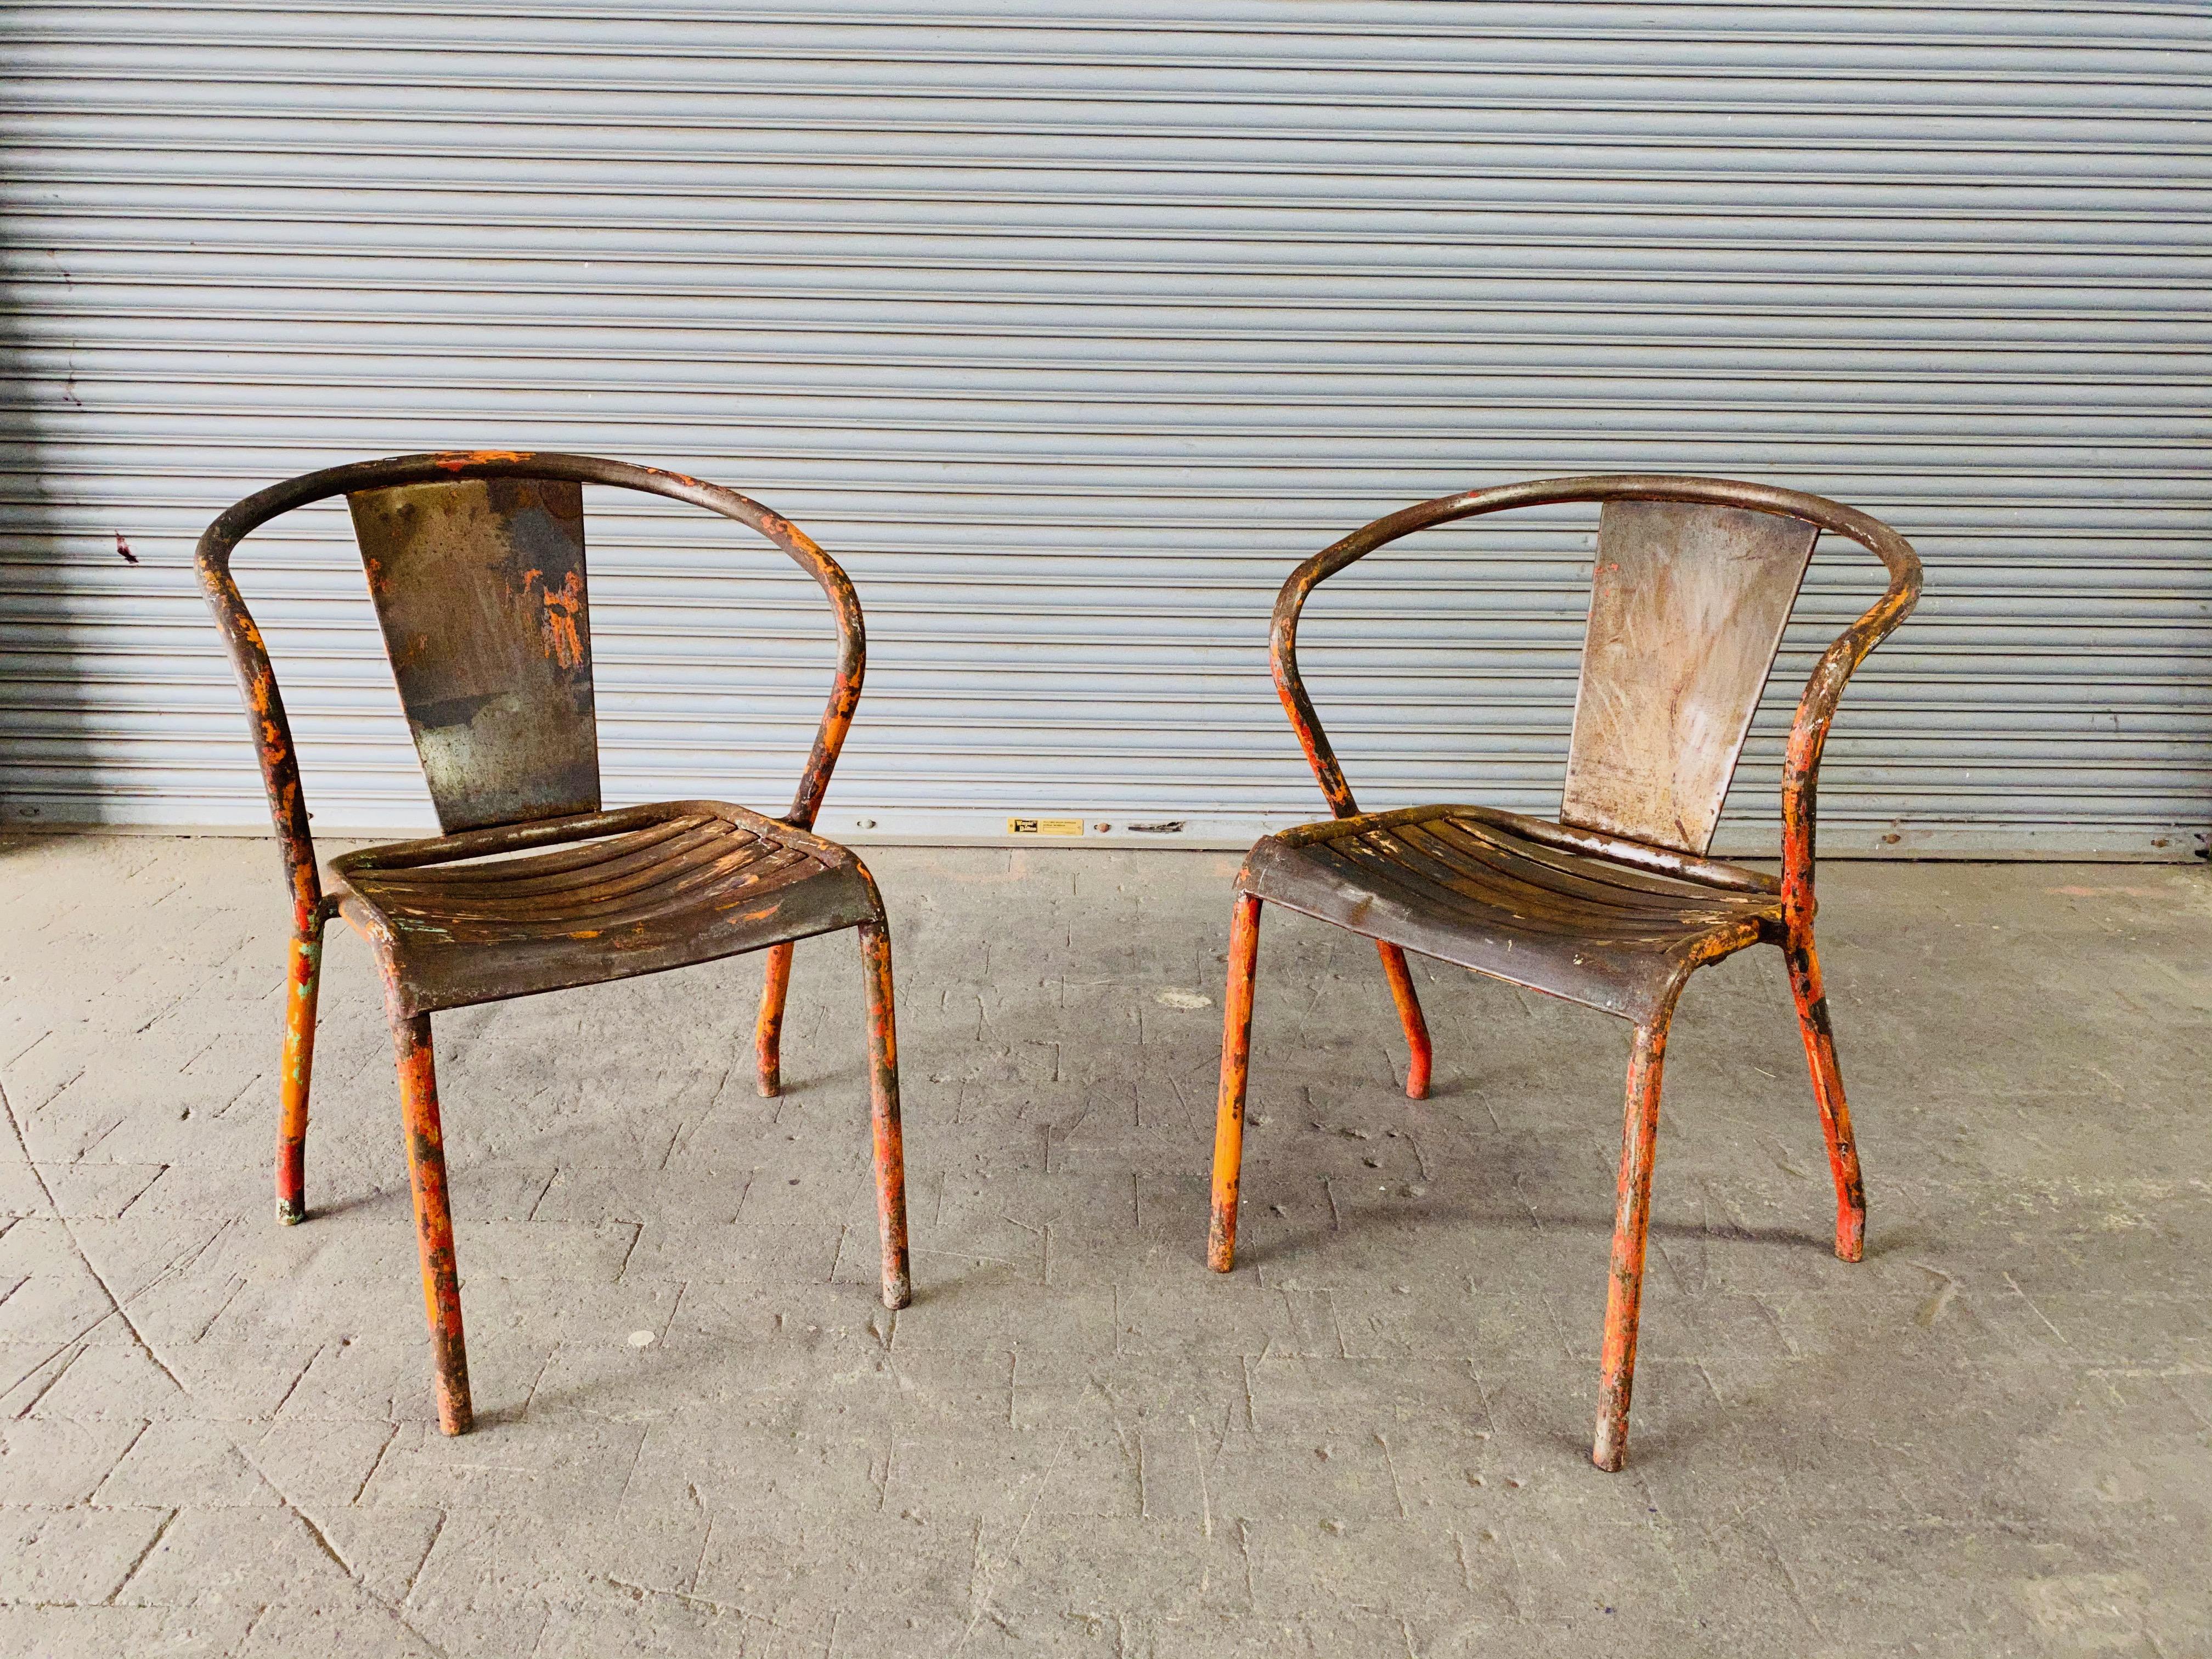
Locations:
{"points": [[1614, 904], [476, 567]]}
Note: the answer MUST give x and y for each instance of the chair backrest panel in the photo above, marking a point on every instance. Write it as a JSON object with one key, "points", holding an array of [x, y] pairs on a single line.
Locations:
{"points": [[1687, 603], [479, 587]]}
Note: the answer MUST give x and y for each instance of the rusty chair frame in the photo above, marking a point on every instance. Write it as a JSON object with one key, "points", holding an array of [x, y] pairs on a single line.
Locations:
{"points": [[475, 565], [1615, 904]]}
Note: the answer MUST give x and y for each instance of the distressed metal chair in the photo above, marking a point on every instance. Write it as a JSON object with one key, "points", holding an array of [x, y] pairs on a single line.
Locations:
{"points": [[476, 567], [1615, 904]]}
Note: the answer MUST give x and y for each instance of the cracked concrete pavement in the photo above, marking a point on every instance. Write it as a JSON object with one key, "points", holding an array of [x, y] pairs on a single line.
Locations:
{"points": [[700, 1434]]}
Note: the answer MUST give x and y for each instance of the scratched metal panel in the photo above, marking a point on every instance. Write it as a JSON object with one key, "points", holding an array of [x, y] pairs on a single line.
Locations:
{"points": [[479, 588], [1069, 328], [1688, 605]]}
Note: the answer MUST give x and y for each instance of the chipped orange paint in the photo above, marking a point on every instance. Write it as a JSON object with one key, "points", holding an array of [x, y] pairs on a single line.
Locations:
{"points": [[1236, 1067], [1409, 1018], [562, 608], [295, 1078], [434, 1221], [1631, 1225], [1828, 1096], [466, 459], [768, 1033], [883, 1097]]}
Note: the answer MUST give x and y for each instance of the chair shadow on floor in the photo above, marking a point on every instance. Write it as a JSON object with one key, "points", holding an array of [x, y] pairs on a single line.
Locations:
{"points": [[1314, 1243], [373, 1198]]}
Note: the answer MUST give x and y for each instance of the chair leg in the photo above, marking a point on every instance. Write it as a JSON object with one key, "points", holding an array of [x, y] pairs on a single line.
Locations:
{"points": [[1409, 1016], [1631, 1225], [768, 1036], [883, 1096], [434, 1221], [303, 981], [1828, 1094], [1236, 1063]]}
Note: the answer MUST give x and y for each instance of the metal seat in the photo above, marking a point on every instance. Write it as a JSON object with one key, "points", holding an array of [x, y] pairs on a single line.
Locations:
{"points": [[1510, 897], [1614, 904], [654, 887], [476, 567]]}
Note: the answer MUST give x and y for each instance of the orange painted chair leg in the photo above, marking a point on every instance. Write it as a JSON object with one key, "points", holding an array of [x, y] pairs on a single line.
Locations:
{"points": [[1236, 1063], [1828, 1094], [1409, 1016], [768, 1036], [1631, 1225], [884, 1094], [303, 982], [434, 1221]]}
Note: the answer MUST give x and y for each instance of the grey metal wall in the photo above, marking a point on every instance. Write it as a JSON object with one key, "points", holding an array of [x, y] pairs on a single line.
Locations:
{"points": [[1070, 327]]}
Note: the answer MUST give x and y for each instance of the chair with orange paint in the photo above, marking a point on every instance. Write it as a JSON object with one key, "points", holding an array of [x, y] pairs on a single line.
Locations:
{"points": [[476, 567], [1614, 904]]}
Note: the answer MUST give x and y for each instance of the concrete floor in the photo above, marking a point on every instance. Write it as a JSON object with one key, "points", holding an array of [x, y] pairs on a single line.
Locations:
{"points": [[700, 1434]]}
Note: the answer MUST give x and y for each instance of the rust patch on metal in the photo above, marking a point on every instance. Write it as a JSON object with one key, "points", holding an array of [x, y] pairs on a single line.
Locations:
{"points": [[1828, 1096], [884, 1111], [1631, 1225], [434, 1220]]}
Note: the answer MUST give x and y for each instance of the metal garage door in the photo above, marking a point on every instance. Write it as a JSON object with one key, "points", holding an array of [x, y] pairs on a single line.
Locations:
{"points": [[1070, 327]]}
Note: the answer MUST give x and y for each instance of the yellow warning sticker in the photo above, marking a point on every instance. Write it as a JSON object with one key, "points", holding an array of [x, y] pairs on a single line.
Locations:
{"points": [[1044, 826]]}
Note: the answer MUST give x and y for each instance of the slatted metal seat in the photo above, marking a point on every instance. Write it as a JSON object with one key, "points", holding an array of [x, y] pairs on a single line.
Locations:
{"points": [[1512, 897], [476, 567], [655, 887], [1614, 904]]}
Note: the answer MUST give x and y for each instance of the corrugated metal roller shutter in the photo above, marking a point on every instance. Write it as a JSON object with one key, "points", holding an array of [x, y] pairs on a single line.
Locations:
{"points": [[1070, 328]]}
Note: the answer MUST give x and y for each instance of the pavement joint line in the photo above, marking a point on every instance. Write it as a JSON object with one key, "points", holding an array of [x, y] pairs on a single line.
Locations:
{"points": [[70, 1232], [161, 1531]]}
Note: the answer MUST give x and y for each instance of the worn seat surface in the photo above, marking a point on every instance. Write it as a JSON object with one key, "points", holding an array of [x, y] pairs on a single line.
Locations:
{"points": [[623, 893], [1476, 886]]}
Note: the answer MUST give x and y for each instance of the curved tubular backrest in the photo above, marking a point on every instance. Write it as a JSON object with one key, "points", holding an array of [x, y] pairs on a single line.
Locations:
{"points": [[1815, 709], [272, 733]]}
